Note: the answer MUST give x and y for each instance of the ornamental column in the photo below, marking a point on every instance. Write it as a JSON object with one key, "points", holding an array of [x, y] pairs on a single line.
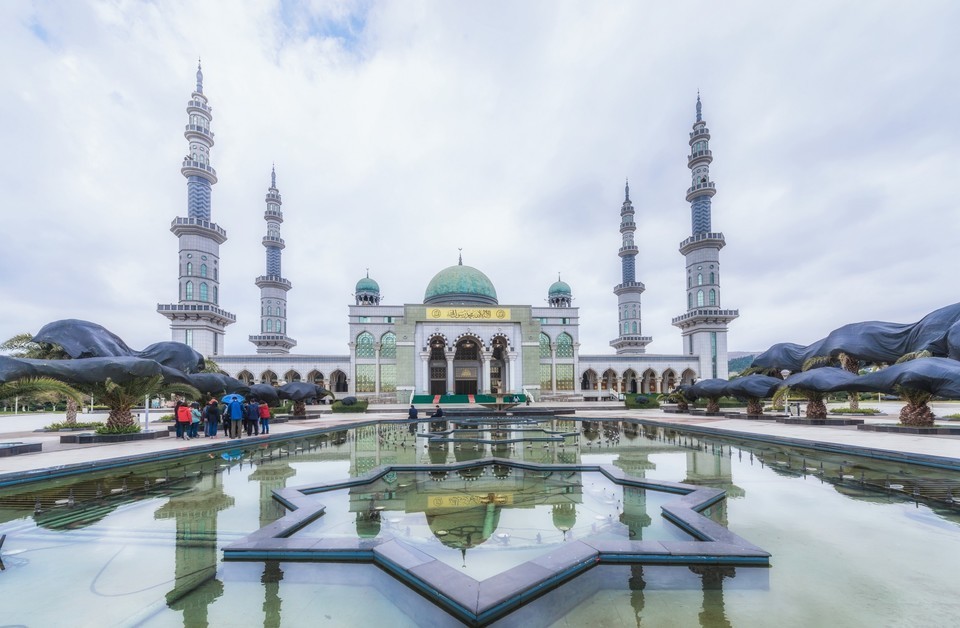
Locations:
{"points": [[376, 375], [425, 372], [553, 367], [485, 355], [512, 359], [449, 355]]}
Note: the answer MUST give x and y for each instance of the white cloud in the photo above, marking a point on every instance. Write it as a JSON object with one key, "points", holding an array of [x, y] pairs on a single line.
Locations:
{"points": [[403, 131]]}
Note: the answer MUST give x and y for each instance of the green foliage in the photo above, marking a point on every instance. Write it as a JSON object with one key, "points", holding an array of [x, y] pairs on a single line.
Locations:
{"points": [[723, 402], [738, 365], [359, 405], [167, 418], [952, 417], [119, 429], [635, 401], [866, 411], [78, 425]]}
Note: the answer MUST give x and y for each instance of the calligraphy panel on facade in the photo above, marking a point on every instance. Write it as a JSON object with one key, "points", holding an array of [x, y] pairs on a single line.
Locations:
{"points": [[468, 313]]}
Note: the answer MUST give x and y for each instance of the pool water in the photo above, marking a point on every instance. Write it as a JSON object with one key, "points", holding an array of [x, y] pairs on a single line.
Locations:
{"points": [[854, 541]]}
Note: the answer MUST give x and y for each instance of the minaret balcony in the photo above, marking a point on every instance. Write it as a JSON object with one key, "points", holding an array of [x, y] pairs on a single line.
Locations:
{"points": [[705, 316], [628, 225], [273, 197], [702, 240], [630, 249], [199, 104], [196, 129], [183, 225], [708, 188], [273, 343], [198, 168], [272, 214], [700, 155], [273, 281], [275, 241], [197, 311], [629, 286], [701, 133]]}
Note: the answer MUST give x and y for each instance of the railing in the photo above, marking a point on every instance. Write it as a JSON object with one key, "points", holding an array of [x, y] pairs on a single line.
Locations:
{"points": [[706, 312], [628, 249], [197, 222], [273, 240], [699, 132], [701, 237], [709, 185], [199, 165], [180, 307], [199, 104], [629, 224], [699, 153], [196, 128], [274, 279], [270, 212]]}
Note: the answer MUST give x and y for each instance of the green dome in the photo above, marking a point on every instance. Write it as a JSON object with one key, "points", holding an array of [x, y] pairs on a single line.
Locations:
{"points": [[367, 285], [559, 288], [460, 285]]}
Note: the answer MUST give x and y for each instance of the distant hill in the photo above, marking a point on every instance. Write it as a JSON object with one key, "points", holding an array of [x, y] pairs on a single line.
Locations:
{"points": [[739, 360]]}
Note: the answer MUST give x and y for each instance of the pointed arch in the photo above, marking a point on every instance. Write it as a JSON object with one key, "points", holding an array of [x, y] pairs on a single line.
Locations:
{"points": [[388, 346], [188, 291], [688, 377], [338, 381], [291, 376], [246, 377], [588, 380], [669, 380], [564, 345], [630, 383], [268, 377], [648, 383], [365, 345], [544, 346], [316, 377]]}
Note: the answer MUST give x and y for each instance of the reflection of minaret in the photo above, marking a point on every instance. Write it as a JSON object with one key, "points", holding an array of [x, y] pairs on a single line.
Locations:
{"points": [[634, 514], [195, 584], [712, 613], [706, 468], [271, 475], [637, 585]]}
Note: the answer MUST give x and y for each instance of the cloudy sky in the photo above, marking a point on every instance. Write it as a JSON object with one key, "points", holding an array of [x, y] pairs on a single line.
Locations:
{"points": [[402, 131]]}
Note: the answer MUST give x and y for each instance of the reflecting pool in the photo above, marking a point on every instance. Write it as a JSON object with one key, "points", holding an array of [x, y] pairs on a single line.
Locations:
{"points": [[853, 541]]}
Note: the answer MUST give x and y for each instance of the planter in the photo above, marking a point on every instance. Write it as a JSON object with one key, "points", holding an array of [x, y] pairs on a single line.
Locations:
{"points": [[936, 430], [802, 421], [15, 449], [87, 438]]}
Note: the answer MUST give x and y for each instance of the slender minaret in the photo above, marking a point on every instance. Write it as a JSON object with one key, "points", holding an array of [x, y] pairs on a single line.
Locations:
{"points": [[630, 338], [704, 326], [196, 319], [273, 336]]}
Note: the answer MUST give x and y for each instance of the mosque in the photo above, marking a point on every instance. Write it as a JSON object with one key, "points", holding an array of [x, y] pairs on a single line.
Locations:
{"points": [[459, 339]]}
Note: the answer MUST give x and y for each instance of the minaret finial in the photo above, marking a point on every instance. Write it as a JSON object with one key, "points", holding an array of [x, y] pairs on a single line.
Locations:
{"points": [[199, 77], [460, 263], [273, 175], [699, 111], [368, 272], [626, 191]]}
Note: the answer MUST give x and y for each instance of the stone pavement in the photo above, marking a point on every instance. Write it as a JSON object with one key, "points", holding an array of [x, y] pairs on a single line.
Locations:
{"points": [[20, 428]]}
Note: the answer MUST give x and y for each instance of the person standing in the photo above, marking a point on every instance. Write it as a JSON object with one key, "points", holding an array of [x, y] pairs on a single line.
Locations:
{"points": [[235, 409], [212, 417], [181, 414], [264, 417], [194, 419], [253, 418]]}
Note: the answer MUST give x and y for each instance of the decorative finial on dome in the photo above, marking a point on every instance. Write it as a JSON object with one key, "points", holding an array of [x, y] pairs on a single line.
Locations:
{"points": [[558, 275], [699, 111], [199, 77], [460, 263], [368, 273], [273, 175], [626, 191]]}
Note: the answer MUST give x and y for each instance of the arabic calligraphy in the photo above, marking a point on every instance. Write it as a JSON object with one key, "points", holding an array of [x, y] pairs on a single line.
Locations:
{"points": [[468, 313]]}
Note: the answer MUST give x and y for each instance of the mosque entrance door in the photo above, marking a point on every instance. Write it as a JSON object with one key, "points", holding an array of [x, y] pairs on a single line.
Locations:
{"points": [[466, 367], [438, 367]]}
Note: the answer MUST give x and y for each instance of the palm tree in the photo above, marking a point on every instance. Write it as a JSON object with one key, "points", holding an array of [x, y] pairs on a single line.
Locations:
{"points": [[675, 396], [816, 408], [33, 385], [23, 346], [120, 399]]}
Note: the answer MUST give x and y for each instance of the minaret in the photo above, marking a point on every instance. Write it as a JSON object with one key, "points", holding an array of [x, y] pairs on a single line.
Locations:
{"points": [[197, 319], [630, 339], [273, 287], [704, 326]]}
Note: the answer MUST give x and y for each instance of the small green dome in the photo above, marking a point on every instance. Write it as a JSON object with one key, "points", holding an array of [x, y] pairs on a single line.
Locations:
{"points": [[559, 288], [460, 285], [367, 285]]}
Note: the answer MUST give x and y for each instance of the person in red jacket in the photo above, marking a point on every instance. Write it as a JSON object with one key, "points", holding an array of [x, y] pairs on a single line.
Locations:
{"points": [[264, 418]]}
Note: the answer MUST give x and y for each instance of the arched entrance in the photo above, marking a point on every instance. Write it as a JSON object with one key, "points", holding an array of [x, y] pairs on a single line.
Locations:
{"points": [[498, 366], [649, 382], [315, 377], [630, 381], [246, 377], [589, 380], [291, 376], [669, 380], [268, 377], [466, 366], [338, 381], [438, 366]]}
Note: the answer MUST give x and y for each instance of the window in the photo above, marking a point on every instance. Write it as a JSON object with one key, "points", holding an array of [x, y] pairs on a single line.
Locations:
{"points": [[565, 347], [189, 268], [699, 279], [269, 310], [712, 278], [188, 295], [269, 324], [689, 300], [188, 337], [203, 270], [216, 295], [564, 377], [365, 347], [387, 319], [388, 378], [203, 292], [544, 345], [713, 296], [626, 328], [215, 274], [388, 346], [699, 298], [543, 321], [546, 377], [689, 282], [634, 326], [364, 319], [366, 377]]}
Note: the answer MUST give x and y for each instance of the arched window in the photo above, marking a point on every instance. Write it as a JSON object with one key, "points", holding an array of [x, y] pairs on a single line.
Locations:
{"points": [[269, 324], [699, 279], [634, 312], [215, 274], [699, 298], [216, 295], [365, 347], [626, 328], [689, 300], [634, 326], [712, 278], [204, 295], [564, 346], [279, 327], [713, 297], [388, 346], [544, 345], [689, 281], [189, 268], [188, 291], [203, 270]]}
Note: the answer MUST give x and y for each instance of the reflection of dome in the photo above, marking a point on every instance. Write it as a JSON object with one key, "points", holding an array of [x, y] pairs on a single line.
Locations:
{"points": [[368, 525], [465, 528], [564, 516], [460, 285], [559, 288]]}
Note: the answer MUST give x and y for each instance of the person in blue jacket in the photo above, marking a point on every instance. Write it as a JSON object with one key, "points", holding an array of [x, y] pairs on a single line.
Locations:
{"points": [[235, 410]]}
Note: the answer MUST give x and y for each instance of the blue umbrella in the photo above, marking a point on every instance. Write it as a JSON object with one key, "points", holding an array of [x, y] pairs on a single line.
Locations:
{"points": [[233, 454], [230, 398]]}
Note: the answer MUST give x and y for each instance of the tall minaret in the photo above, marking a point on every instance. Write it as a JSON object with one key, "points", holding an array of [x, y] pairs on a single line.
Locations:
{"points": [[196, 319], [273, 287], [704, 326], [630, 339]]}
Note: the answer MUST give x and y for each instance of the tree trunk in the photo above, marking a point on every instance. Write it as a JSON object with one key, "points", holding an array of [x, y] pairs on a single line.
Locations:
{"points": [[917, 415], [683, 406], [816, 409], [120, 418], [851, 365], [713, 405], [299, 408], [754, 407], [71, 412]]}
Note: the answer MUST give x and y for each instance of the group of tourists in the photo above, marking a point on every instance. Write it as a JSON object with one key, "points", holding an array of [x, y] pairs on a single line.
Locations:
{"points": [[232, 418]]}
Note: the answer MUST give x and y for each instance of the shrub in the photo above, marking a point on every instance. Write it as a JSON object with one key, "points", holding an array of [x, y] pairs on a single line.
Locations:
{"points": [[868, 411], [349, 401], [167, 418], [123, 429], [358, 405], [77, 426]]}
